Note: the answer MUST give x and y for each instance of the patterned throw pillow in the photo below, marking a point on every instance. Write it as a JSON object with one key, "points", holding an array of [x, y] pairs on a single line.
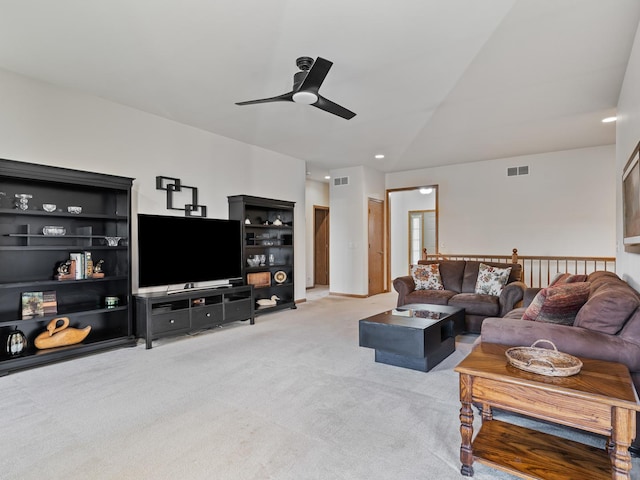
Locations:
{"points": [[491, 280], [558, 304], [427, 277]]}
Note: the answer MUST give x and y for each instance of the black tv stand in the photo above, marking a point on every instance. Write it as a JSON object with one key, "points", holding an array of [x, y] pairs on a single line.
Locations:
{"points": [[160, 314]]}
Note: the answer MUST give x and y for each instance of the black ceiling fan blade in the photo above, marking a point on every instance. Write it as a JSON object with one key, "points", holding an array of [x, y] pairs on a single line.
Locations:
{"points": [[316, 75], [285, 97], [331, 107]]}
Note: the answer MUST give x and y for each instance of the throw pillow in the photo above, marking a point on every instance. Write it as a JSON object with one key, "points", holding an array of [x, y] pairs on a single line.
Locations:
{"points": [[427, 277], [562, 278], [558, 304], [491, 280]]}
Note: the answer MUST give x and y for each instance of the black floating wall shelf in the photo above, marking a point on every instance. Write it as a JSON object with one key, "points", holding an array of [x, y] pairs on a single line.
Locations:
{"points": [[171, 185]]}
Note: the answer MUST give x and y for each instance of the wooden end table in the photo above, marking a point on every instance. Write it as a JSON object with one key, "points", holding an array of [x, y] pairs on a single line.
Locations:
{"points": [[600, 399]]}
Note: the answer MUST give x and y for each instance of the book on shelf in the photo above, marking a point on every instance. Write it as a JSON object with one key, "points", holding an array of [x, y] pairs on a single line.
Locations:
{"points": [[39, 304], [88, 265], [80, 267]]}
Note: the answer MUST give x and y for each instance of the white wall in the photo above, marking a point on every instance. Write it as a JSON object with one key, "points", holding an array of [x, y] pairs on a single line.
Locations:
{"points": [[44, 124], [400, 204], [627, 137], [349, 254], [316, 194], [565, 206]]}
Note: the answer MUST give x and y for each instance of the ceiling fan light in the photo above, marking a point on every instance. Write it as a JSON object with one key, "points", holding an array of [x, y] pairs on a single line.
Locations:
{"points": [[306, 98]]}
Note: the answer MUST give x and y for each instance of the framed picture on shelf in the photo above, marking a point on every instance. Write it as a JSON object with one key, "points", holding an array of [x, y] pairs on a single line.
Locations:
{"points": [[39, 304]]}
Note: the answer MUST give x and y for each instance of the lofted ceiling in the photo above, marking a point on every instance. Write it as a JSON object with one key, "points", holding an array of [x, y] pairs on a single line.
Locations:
{"points": [[433, 82]]}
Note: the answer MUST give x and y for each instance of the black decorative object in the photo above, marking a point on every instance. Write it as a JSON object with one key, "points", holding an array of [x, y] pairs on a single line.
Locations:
{"points": [[170, 185]]}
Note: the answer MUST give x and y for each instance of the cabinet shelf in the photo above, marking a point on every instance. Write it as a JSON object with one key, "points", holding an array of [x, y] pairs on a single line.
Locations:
{"points": [[33, 357], [275, 227], [61, 247], [42, 213], [75, 310], [40, 235], [36, 284]]}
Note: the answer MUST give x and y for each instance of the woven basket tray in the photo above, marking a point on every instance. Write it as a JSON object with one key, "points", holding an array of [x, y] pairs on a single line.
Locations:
{"points": [[543, 361]]}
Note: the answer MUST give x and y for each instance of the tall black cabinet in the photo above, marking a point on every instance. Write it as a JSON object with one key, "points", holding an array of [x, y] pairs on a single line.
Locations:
{"points": [[267, 249], [38, 233]]}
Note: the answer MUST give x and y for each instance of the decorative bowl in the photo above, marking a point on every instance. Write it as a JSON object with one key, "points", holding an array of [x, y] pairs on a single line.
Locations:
{"points": [[49, 207], [112, 241], [253, 262], [74, 209], [53, 230]]}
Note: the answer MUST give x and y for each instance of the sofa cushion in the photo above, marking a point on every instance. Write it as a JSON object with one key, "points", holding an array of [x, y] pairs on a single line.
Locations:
{"points": [[516, 313], [427, 277], [608, 308], [477, 304], [451, 272], [562, 278], [438, 297], [491, 280], [558, 304]]}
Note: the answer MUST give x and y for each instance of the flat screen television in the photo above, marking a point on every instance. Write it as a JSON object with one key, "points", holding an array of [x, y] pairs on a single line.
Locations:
{"points": [[187, 250]]}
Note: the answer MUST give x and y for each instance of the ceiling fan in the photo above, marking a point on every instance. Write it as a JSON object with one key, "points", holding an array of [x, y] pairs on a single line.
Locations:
{"points": [[306, 84]]}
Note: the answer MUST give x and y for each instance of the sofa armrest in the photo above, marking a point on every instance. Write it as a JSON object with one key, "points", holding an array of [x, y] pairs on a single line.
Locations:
{"points": [[511, 295], [404, 286], [529, 295], [567, 338]]}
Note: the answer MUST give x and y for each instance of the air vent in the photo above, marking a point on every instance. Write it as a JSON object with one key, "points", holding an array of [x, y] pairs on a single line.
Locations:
{"points": [[515, 171], [340, 181]]}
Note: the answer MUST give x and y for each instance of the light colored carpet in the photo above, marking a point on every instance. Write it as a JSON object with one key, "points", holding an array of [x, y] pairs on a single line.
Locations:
{"points": [[291, 397]]}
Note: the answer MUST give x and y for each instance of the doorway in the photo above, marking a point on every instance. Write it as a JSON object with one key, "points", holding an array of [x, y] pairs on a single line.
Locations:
{"points": [[320, 245], [415, 207], [376, 247], [422, 234]]}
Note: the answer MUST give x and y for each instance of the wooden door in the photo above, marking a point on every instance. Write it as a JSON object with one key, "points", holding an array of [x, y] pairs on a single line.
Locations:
{"points": [[376, 246], [321, 246]]}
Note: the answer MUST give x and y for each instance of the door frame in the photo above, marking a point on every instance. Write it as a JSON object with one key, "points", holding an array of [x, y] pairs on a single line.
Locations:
{"points": [[384, 274], [316, 208], [389, 243]]}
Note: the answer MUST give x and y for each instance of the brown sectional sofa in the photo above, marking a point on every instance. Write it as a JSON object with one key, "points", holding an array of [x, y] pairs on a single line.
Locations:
{"points": [[459, 280], [607, 327]]}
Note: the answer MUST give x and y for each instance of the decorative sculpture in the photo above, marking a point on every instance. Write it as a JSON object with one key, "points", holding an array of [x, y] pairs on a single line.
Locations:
{"points": [[175, 185], [58, 336]]}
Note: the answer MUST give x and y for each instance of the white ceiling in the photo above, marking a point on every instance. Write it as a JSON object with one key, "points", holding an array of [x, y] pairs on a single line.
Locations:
{"points": [[433, 82]]}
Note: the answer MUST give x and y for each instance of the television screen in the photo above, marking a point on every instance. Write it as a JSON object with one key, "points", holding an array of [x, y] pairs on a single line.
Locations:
{"points": [[182, 250]]}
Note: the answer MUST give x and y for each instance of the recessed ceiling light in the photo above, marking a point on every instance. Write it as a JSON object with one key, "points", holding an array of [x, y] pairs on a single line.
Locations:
{"points": [[327, 177], [425, 190], [379, 156], [609, 119]]}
